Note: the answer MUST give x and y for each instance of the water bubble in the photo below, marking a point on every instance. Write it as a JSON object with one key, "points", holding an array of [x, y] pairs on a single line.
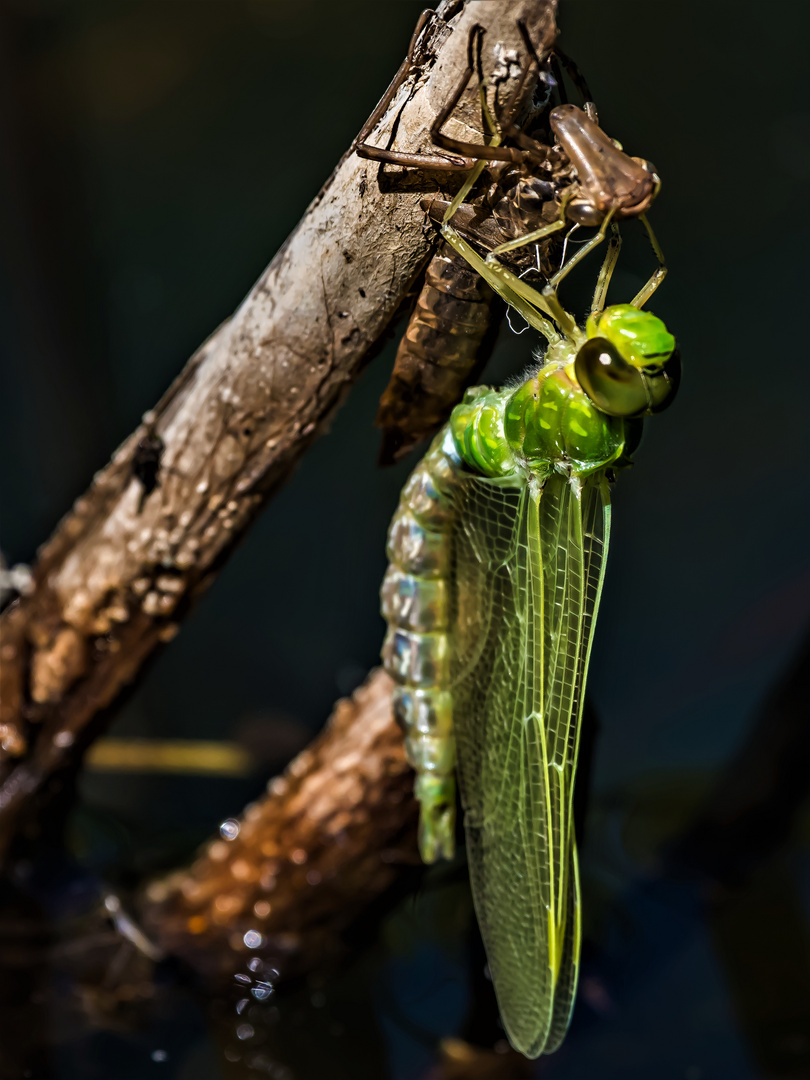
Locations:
{"points": [[229, 829], [159, 1055], [244, 979], [262, 991], [253, 939], [254, 963], [245, 1031], [242, 1005]]}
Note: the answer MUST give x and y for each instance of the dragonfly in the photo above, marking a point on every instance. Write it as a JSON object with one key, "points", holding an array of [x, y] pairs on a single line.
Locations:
{"points": [[534, 190], [496, 562]]}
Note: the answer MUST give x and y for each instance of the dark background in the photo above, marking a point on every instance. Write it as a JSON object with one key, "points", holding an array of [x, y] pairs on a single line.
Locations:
{"points": [[154, 156]]}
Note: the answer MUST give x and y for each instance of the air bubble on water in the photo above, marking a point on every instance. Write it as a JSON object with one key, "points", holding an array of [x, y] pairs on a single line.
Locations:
{"points": [[254, 963], [262, 991], [245, 1031], [159, 1055], [241, 1005], [229, 829], [244, 979], [253, 939]]}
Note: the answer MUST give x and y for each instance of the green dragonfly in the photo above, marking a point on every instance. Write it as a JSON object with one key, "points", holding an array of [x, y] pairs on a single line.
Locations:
{"points": [[497, 555]]}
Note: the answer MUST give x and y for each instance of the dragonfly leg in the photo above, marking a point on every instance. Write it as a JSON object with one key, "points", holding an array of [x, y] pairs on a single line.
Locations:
{"points": [[594, 242], [558, 57], [608, 266], [535, 151], [641, 298], [491, 151], [536, 234], [517, 293], [551, 302], [529, 238], [364, 149], [474, 39]]}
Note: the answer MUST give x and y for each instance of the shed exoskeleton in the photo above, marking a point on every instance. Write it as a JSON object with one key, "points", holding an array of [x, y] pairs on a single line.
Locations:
{"points": [[532, 190]]}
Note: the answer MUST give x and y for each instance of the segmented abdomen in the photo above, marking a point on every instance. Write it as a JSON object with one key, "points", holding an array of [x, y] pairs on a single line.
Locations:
{"points": [[416, 603], [445, 345]]}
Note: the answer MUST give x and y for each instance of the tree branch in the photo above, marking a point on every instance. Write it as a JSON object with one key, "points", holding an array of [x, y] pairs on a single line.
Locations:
{"points": [[124, 565], [329, 837]]}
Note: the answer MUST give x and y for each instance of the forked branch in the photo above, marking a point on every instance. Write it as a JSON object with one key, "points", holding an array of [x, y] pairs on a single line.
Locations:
{"points": [[124, 566]]}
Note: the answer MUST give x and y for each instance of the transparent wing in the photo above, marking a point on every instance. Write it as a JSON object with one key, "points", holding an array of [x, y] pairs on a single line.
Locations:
{"points": [[527, 569]]}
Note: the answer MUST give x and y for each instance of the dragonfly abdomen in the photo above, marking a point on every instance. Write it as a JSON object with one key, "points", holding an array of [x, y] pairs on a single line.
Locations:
{"points": [[415, 598], [443, 349]]}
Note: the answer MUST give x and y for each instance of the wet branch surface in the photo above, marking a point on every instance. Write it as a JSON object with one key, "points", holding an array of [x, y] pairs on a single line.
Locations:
{"points": [[125, 565], [331, 834]]}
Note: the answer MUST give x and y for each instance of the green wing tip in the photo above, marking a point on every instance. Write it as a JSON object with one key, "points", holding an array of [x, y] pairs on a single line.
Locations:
{"points": [[529, 1043]]}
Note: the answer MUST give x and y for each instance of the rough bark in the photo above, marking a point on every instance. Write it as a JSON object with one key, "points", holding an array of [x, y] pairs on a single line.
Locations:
{"points": [[122, 568], [330, 836]]}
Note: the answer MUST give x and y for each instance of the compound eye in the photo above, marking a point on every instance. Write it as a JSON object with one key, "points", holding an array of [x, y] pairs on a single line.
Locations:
{"points": [[614, 386], [663, 385]]}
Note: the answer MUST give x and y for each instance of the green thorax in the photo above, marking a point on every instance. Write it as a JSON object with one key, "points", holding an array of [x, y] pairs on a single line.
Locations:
{"points": [[559, 420], [546, 424]]}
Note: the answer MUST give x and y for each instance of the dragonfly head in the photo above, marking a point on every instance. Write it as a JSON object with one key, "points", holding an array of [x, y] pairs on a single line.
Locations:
{"points": [[628, 365]]}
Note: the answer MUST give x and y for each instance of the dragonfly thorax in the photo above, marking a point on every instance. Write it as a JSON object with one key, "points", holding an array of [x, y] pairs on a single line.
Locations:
{"points": [[550, 420]]}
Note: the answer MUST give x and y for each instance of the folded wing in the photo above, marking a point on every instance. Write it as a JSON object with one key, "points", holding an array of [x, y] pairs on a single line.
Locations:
{"points": [[528, 563]]}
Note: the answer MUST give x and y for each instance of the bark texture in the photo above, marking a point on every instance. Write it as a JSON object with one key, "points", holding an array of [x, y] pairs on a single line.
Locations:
{"points": [[329, 837], [124, 565]]}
